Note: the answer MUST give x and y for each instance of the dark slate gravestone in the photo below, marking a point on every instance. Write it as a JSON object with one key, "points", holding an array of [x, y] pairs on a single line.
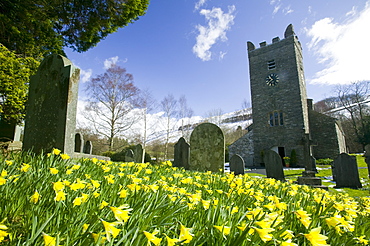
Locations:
{"points": [[7, 131], [237, 164], [51, 108], [79, 143], [273, 165], [367, 158], [129, 156], [207, 148], [346, 172], [88, 147], [182, 154], [139, 153]]}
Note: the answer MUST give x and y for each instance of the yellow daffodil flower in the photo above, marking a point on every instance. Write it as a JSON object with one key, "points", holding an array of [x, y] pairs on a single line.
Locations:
{"points": [[85, 227], [362, 240], [25, 167], [35, 197], [98, 238], [315, 238], [53, 170], [60, 196], [49, 240], [121, 213], [103, 204], [152, 238], [3, 173], [3, 232], [55, 151], [171, 241], [65, 156], [264, 233], [110, 229], [58, 186], [185, 234], [225, 230]]}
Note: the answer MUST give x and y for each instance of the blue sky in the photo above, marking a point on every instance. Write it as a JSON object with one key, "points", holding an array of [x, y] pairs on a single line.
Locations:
{"points": [[197, 48]]}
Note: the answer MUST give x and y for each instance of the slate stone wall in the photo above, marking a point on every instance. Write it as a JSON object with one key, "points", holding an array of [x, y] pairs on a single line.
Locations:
{"points": [[243, 147], [326, 135]]}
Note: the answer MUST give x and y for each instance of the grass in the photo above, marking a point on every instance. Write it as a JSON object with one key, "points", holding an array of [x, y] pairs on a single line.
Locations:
{"points": [[324, 172]]}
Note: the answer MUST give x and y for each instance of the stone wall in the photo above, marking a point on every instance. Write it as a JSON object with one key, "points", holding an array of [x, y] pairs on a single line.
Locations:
{"points": [[326, 135], [243, 147]]}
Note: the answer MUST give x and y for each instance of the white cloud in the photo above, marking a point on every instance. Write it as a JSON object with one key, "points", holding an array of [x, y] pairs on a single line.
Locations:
{"points": [[218, 23], [200, 3], [352, 12], [108, 62], [222, 55], [85, 75], [287, 10], [279, 6], [276, 9], [341, 48]]}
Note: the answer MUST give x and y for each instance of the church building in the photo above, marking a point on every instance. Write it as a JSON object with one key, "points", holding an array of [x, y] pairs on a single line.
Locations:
{"points": [[283, 117]]}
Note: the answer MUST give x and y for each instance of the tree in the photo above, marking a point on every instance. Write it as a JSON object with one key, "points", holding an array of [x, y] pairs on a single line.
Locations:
{"points": [[112, 96], [183, 113], [169, 106], [354, 99], [147, 104], [14, 77], [39, 27], [215, 116]]}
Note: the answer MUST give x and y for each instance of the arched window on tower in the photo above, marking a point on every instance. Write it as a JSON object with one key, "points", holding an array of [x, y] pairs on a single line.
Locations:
{"points": [[276, 118]]}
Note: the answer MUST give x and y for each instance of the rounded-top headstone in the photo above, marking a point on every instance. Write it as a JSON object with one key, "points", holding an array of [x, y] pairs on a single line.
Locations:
{"points": [[207, 148], [237, 164], [51, 107]]}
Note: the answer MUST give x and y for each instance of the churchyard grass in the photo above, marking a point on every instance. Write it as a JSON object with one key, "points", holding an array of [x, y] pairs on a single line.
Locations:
{"points": [[324, 172], [53, 200]]}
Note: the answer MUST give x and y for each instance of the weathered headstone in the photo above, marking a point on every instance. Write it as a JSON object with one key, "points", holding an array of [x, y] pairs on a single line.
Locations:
{"points": [[7, 131], [79, 143], [181, 154], [237, 165], [346, 172], [139, 153], [51, 108], [367, 158], [207, 148], [273, 165], [129, 156], [88, 147]]}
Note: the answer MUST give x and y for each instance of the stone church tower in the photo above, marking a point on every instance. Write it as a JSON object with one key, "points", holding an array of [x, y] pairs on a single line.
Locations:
{"points": [[283, 118], [279, 100]]}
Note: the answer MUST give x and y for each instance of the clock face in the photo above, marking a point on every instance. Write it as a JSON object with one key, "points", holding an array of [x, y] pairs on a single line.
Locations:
{"points": [[272, 79]]}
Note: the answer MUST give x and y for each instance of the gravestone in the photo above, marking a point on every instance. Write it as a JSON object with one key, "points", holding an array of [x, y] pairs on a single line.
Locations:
{"points": [[367, 158], [79, 143], [129, 156], [346, 172], [181, 154], [237, 164], [51, 107], [139, 153], [7, 131], [273, 165], [88, 147], [207, 148]]}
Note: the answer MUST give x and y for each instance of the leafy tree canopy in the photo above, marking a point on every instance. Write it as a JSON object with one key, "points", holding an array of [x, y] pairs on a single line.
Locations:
{"points": [[14, 77], [40, 27]]}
